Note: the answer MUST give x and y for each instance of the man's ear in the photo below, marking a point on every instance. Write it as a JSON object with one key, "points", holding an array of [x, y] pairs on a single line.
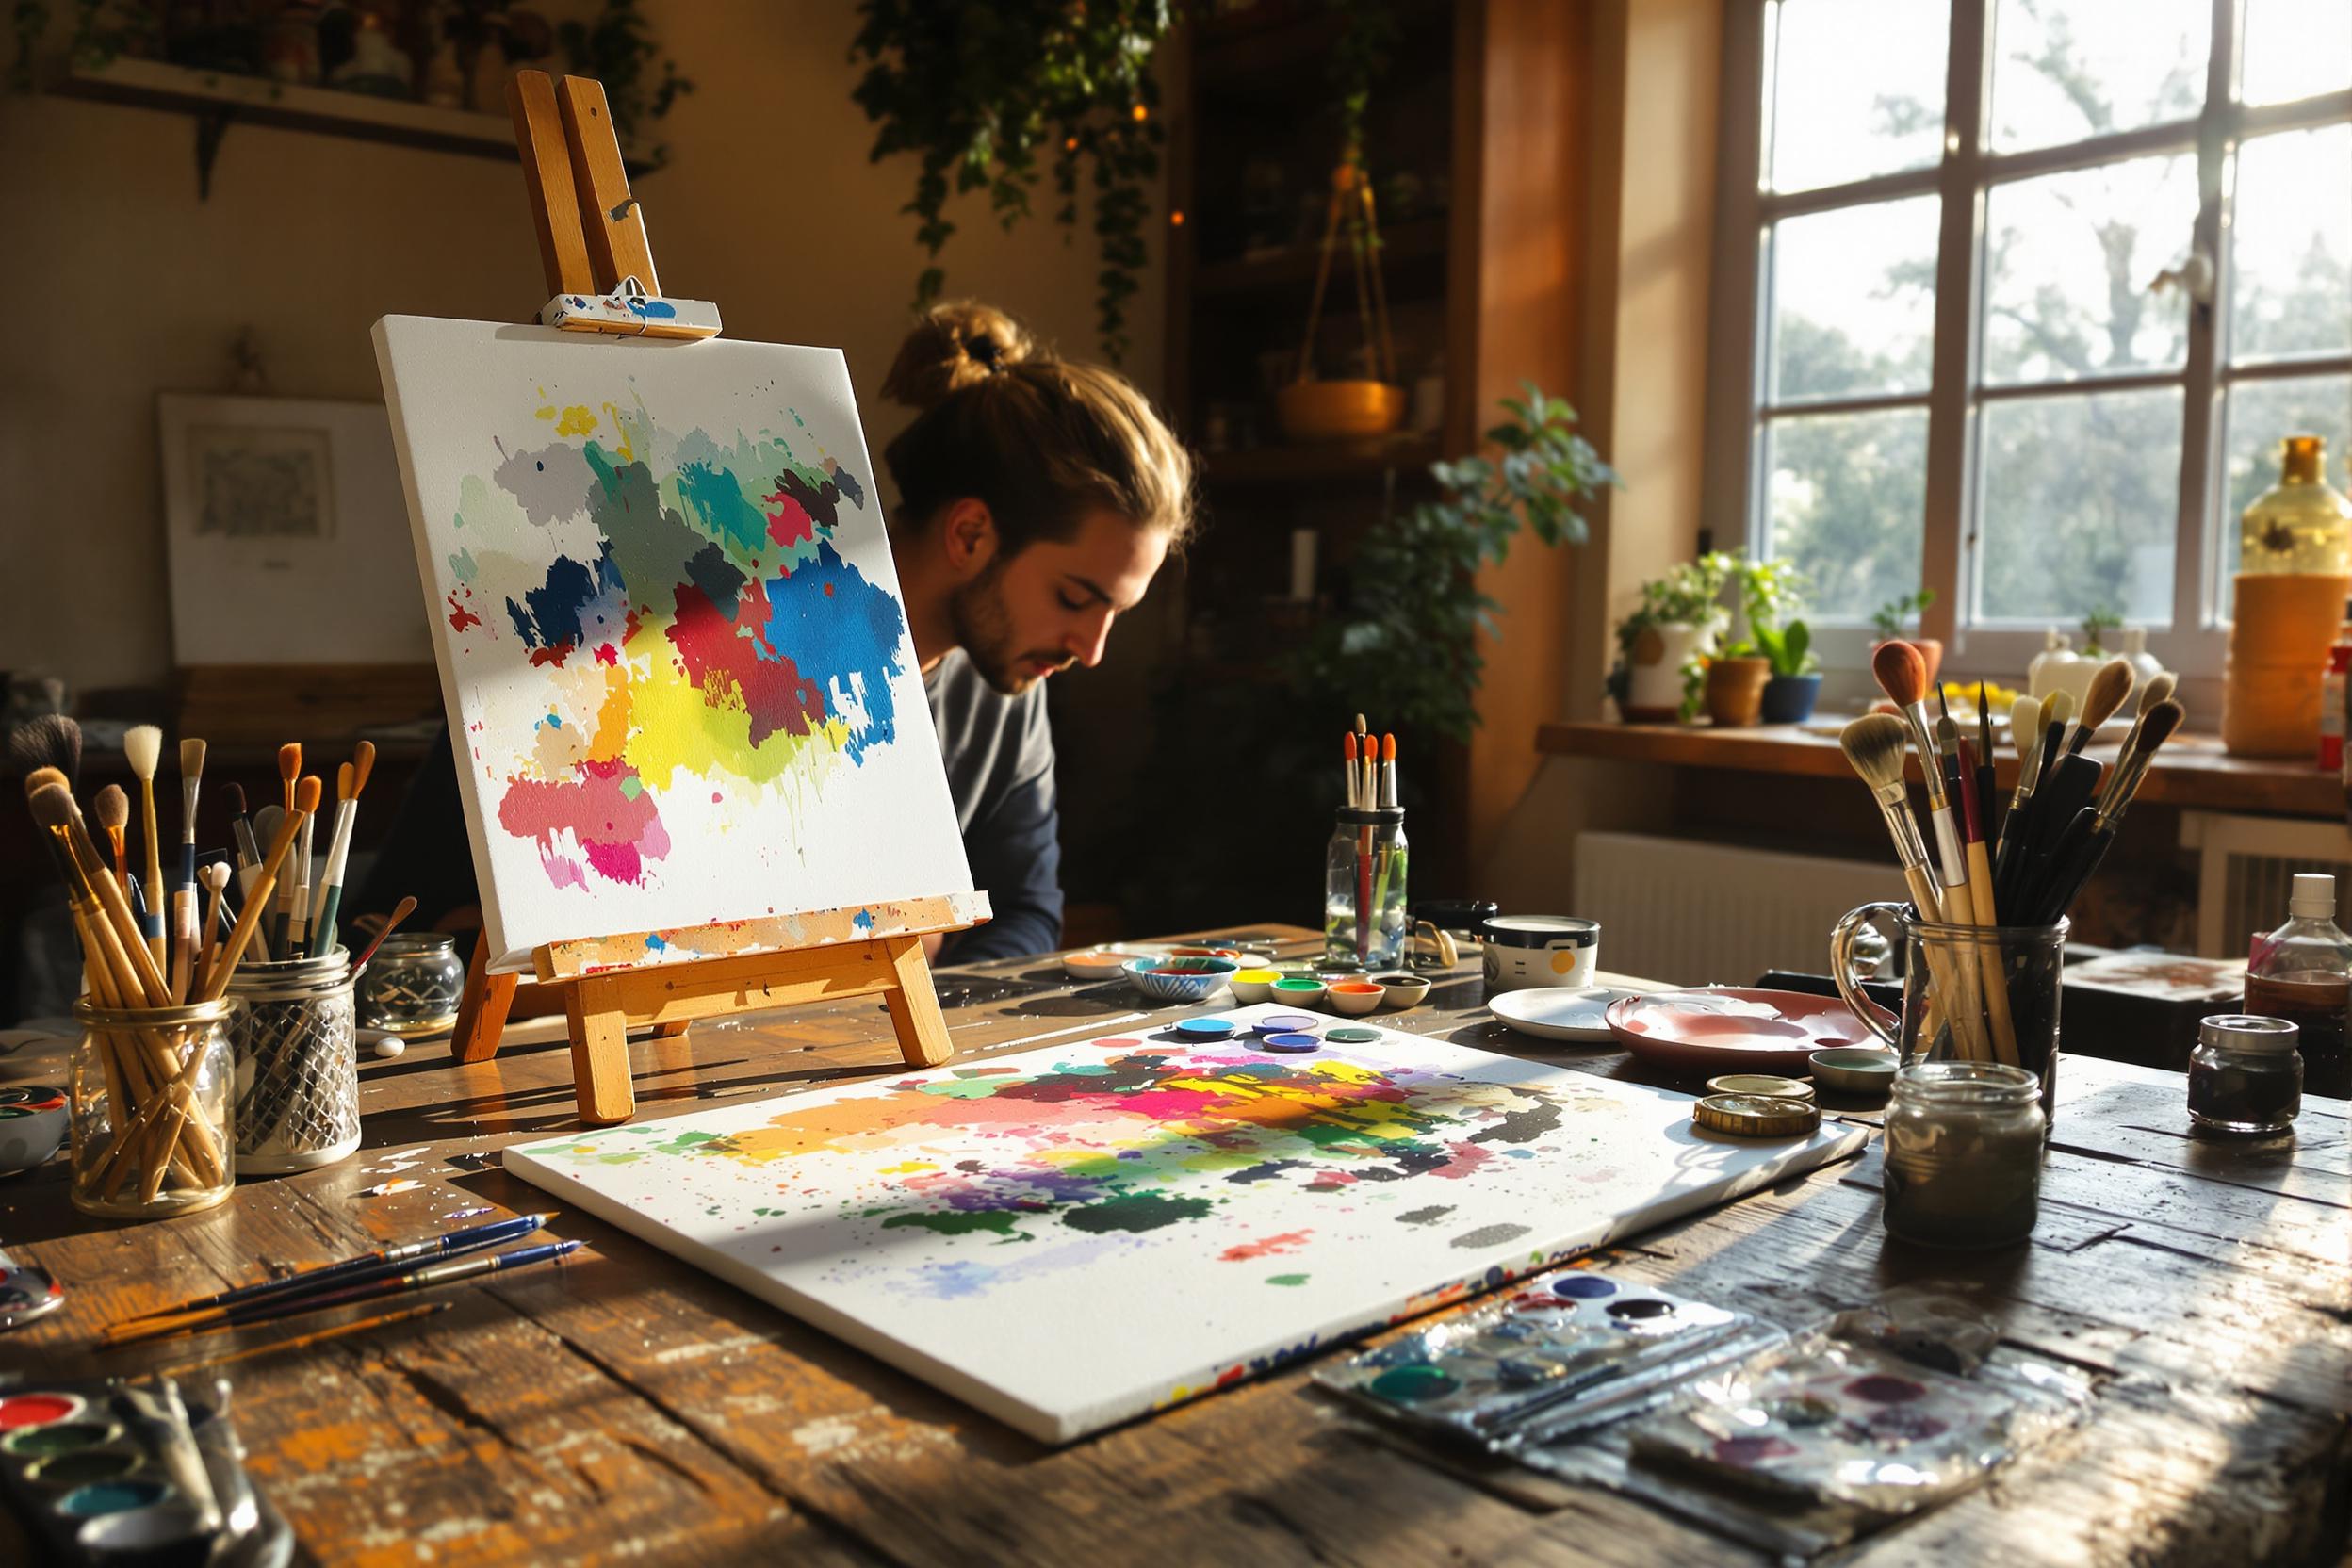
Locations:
{"points": [[967, 532]]}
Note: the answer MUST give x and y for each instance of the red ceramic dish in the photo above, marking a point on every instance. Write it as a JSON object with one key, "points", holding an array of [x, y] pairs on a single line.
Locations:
{"points": [[1728, 1029]]}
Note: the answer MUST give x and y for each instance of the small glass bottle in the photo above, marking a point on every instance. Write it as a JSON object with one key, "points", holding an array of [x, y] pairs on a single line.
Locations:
{"points": [[2245, 1075], [1365, 921], [1964, 1154], [413, 985], [2302, 973], [151, 1117]]}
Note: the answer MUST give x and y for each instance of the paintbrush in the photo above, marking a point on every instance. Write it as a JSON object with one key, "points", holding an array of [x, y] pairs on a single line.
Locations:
{"points": [[184, 894], [112, 808], [51, 740], [297, 907], [2025, 733], [142, 744], [1988, 775], [265, 830], [349, 779], [248, 919], [1903, 676], [381, 1320], [454, 1272], [2106, 693], [2159, 687], [1874, 746], [289, 769], [2087, 841], [379, 1263], [2056, 708], [401, 911], [1354, 775], [1388, 770], [216, 880]]}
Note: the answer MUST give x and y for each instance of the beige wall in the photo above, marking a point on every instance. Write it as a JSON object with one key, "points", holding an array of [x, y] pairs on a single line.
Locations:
{"points": [[1655, 75], [769, 206]]}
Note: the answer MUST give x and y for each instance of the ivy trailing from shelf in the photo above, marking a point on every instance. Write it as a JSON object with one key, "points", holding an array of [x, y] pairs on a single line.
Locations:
{"points": [[617, 48], [989, 96]]}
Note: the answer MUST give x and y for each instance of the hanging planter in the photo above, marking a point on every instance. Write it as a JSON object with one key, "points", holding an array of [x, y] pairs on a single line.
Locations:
{"points": [[1310, 409]]}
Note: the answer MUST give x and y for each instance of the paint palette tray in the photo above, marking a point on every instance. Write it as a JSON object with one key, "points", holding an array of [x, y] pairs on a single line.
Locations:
{"points": [[1568, 1349], [87, 1470]]}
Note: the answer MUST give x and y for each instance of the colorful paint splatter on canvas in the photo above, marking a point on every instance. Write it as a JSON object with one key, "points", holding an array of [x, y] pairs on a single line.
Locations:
{"points": [[669, 628], [1075, 1234]]}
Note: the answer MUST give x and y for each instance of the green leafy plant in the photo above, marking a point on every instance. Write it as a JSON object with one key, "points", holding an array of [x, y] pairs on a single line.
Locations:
{"points": [[986, 95], [1691, 593], [2103, 618], [1891, 617], [1360, 57], [1791, 650], [1415, 612], [617, 48]]}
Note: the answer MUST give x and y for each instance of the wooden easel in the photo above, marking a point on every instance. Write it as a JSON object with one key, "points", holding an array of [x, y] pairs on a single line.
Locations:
{"points": [[599, 264]]}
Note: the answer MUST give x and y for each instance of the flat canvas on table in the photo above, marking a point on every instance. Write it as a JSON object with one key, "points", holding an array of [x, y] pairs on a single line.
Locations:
{"points": [[1073, 1235], [670, 636]]}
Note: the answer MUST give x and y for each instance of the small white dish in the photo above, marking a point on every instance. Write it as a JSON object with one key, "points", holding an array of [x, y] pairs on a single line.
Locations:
{"points": [[1552, 1013]]}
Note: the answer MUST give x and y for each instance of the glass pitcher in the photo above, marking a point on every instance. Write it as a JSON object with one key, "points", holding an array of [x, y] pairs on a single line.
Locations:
{"points": [[1969, 992]]}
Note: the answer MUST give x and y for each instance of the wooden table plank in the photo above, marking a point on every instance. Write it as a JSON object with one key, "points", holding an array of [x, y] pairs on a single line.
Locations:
{"points": [[624, 1406]]}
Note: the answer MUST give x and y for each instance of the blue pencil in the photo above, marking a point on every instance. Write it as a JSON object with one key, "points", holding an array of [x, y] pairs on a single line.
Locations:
{"points": [[382, 1263]]}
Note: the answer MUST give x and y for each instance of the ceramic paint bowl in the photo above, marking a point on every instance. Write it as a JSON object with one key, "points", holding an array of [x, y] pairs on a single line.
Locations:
{"points": [[1854, 1070], [32, 1125], [1526, 951], [1179, 980], [1356, 997], [1298, 990], [1095, 963], [1343, 976], [1402, 990], [1234, 953], [1254, 985], [1770, 1086]]}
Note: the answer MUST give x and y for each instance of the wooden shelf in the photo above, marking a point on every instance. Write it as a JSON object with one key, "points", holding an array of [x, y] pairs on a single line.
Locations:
{"points": [[2192, 770], [220, 97], [1325, 461]]}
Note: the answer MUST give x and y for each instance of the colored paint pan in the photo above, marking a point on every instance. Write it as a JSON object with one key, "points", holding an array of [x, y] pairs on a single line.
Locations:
{"points": [[1285, 1024], [147, 1535], [88, 1502], [58, 1437], [1351, 1036], [1205, 1028], [39, 1410], [66, 1472], [1293, 1044]]}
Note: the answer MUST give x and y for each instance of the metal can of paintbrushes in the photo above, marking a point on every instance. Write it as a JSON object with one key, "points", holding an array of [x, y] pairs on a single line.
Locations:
{"points": [[297, 1064]]}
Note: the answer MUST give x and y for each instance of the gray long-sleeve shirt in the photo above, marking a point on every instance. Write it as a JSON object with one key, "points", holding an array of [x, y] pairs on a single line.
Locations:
{"points": [[999, 752]]}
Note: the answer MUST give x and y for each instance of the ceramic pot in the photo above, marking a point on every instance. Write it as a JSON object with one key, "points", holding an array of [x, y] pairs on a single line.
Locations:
{"points": [[1735, 690], [1789, 698], [1931, 653], [1655, 695]]}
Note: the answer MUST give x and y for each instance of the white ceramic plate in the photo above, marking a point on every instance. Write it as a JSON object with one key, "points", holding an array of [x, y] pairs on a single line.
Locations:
{"points": [[1557, 1014]]}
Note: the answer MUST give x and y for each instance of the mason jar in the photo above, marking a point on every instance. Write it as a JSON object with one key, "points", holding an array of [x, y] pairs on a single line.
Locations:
{"points": [[1964, 1153], [411, 987], [1365, 921], [297, 1057], [150, 1116], [2245, 1075]]}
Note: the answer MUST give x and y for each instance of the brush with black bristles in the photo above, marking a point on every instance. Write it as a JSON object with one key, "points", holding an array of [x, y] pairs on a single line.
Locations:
{"points": [[2086, 841], [2056, 708], [1988, 775], [51, 740]]}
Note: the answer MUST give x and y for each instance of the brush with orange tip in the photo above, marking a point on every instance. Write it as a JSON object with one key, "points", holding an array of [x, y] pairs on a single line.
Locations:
{"points": [[349, 779], [1903, 676]]}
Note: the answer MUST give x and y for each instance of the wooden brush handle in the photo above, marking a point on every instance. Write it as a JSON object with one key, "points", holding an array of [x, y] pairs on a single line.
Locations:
{"points": [[1990, 969]]}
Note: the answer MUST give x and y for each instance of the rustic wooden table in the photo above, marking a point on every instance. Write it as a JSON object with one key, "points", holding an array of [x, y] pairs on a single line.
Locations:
{"points": [[626, 1406]]}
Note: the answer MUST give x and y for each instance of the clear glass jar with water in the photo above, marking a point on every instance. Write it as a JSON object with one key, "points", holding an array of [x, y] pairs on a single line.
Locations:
{"points": [[1365, 925]]}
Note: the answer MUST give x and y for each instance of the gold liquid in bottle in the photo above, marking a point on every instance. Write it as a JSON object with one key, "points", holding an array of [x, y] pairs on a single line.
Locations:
{"points": [[2295, 572]]}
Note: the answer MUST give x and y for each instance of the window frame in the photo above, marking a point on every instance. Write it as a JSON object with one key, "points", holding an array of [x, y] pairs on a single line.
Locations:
{"points": [[1739, 368]]}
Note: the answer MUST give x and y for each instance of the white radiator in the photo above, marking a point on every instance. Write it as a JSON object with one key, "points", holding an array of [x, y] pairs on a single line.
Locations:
{"points": [[2246, 869], [1698, 913]]}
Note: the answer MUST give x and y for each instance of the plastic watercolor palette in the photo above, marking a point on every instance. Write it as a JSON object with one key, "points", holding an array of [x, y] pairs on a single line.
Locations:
{"points": [[81, 1467], [1073, 1235], [1559, 1341]]}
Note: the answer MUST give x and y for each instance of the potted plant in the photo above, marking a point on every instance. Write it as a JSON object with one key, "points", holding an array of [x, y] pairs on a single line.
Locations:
{"points": [[1796, 683], [2102, 620], [1736, 678], [1658, 677], [1890, 619]]}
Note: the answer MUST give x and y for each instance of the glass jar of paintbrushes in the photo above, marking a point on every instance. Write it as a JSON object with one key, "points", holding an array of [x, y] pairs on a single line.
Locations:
{"points": [[150, 1090], [1365, 921], [297, 1060]]}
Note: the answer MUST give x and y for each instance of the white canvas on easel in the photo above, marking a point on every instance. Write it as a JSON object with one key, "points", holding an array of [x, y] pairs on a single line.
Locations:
{"points": [[669, 631], [1070, 1237]]}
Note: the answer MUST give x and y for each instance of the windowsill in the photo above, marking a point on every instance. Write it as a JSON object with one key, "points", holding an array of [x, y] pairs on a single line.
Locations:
{"points": [[2192, 770]]}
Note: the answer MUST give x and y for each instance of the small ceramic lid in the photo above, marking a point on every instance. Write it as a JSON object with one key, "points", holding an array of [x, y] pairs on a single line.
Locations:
{"points": [[1755, 1116]]}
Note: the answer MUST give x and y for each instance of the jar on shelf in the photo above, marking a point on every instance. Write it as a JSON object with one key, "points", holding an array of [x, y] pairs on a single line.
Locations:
{"points": [[297, 1064], [412, 986], [1964, 1154], [1365, 921], [151, 1114]]}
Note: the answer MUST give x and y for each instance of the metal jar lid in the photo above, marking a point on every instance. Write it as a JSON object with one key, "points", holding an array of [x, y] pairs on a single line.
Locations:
{"points": [[1755, 1116], [2247, 1032]]}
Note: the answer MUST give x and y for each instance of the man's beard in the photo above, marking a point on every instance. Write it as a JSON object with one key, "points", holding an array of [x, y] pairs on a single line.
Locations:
{"points": [[984, 629]]}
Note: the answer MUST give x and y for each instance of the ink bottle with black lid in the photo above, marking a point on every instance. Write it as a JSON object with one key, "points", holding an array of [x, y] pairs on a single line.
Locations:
{"points": [[2245, 1075]]}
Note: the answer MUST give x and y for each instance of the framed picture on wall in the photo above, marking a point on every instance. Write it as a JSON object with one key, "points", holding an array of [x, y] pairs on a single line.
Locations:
{"points": [[287, 533]]}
